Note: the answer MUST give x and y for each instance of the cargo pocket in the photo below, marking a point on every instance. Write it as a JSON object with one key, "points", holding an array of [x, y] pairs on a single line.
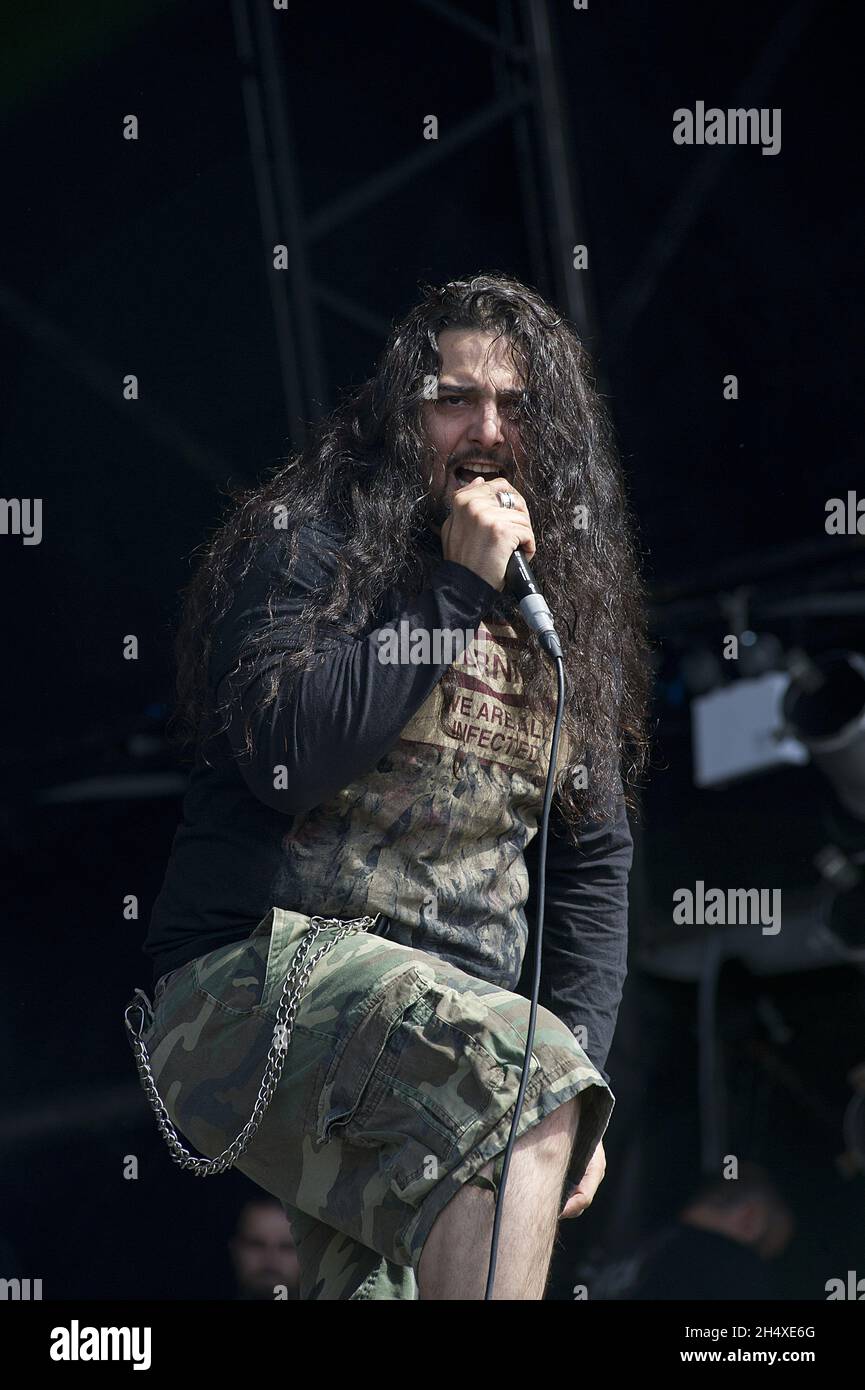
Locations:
{"points": [[359, 1070], [236, 977]]}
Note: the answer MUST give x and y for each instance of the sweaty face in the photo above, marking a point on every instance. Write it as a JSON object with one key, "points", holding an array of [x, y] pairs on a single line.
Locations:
{"points": [[472, 425]]}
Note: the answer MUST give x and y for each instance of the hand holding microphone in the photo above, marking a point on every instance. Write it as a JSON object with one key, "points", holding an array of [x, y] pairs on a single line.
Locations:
{"points": [[489, 531], [482, 534]]}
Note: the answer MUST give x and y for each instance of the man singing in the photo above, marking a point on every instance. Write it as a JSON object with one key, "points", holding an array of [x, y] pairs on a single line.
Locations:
{"points": [[352, 766]]}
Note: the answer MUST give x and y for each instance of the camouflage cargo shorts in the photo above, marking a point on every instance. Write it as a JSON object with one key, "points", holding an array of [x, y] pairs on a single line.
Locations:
{"points": [[399, 1083]]}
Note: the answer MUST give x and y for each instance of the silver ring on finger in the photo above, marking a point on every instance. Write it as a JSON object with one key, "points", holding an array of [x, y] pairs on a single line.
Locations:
{"points": [[506, 499]]}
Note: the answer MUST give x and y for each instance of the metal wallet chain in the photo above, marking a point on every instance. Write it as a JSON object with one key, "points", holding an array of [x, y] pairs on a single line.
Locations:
{"points": [[295, 982]]}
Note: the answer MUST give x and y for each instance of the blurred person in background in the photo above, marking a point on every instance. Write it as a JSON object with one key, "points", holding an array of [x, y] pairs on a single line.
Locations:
{"points": [[720, 1244], [263, 1253]]}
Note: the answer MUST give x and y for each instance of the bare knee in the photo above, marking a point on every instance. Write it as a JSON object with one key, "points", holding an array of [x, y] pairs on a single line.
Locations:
{"points": [[548, 1141]]}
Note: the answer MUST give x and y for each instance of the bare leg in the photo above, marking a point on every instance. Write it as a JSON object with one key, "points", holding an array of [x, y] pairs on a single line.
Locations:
{"points": [[455, 1259]]}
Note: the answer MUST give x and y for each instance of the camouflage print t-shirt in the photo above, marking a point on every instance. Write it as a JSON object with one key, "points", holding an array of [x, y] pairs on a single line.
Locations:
{"points": [[439, 852]]}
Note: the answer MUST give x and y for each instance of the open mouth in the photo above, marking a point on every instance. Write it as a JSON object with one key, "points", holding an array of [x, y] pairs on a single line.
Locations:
{"points": [[467, 472]]}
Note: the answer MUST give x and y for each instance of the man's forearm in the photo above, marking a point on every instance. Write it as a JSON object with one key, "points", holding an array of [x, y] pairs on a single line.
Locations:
{"points": [[585, 940], [334, 722]]}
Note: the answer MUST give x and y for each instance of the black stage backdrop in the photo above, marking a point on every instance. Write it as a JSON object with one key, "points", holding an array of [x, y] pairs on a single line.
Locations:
{"points": [[146, 256]]}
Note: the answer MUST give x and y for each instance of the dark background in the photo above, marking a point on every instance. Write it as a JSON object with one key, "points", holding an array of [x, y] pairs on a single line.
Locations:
{"points": [[147, 257]]}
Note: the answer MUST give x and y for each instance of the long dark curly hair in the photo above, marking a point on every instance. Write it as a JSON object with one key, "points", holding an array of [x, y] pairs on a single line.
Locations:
{"points": [[366, 468]]}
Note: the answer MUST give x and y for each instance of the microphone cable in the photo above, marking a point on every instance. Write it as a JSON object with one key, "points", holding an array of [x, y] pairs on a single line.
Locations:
{"points": [[536, 983]]}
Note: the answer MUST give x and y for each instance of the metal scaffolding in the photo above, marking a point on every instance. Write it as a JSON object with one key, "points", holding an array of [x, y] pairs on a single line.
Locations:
{"points": [[527, 95]]}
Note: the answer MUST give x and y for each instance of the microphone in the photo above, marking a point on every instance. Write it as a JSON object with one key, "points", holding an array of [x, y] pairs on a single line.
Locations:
{"points": [[533, 606]]}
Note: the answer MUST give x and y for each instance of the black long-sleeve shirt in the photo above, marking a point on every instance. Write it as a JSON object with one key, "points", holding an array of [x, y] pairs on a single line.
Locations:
{"points": [[349, 803]]}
